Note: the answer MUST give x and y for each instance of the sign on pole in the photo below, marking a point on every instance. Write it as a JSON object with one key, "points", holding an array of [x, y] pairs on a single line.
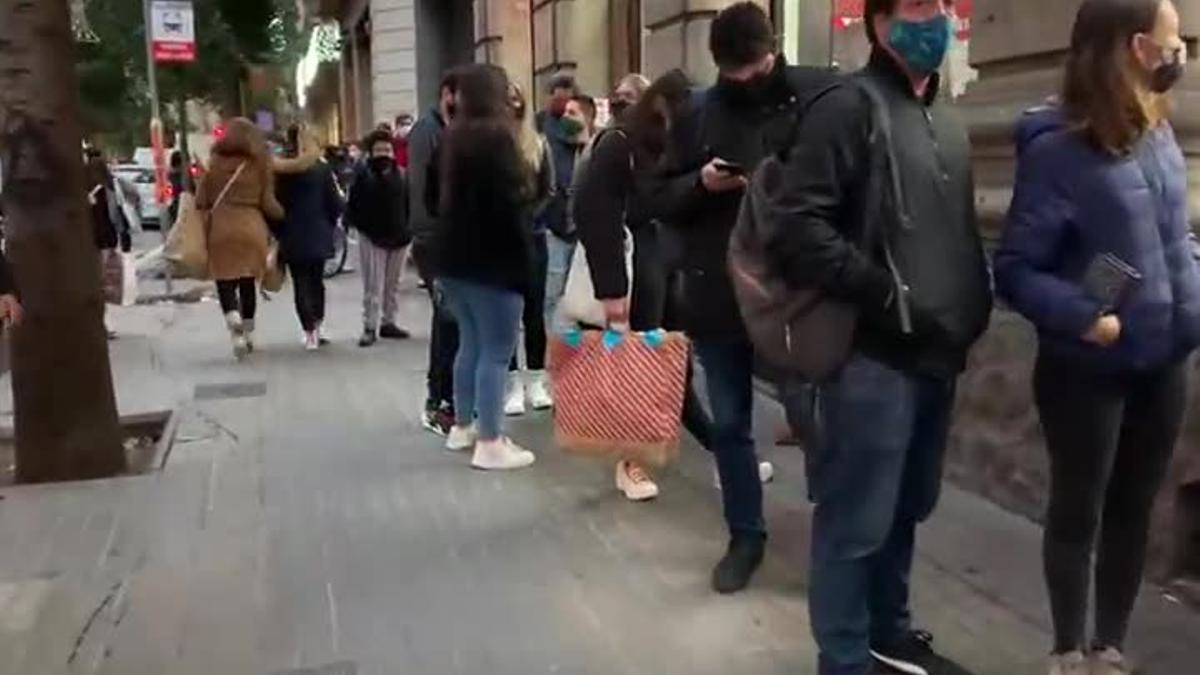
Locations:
{"points": [[173, 31]]}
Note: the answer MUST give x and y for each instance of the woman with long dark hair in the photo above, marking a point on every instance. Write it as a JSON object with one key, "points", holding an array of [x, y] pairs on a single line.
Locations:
{"points": [[1097, 255], [485, 254]]}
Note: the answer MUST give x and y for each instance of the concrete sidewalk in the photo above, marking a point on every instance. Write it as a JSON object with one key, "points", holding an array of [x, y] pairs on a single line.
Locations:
{"points": [[305, 521]]}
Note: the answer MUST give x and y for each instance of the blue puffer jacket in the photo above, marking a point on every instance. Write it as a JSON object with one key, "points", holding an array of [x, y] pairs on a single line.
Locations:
{"points": [[1073, 202]]}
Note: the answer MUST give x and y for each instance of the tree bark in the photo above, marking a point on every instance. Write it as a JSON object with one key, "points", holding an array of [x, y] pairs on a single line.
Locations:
{"points": [[66, 413]]}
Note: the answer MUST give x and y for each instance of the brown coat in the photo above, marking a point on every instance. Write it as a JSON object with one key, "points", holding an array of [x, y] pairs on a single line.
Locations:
{"points": [[239, 239]]}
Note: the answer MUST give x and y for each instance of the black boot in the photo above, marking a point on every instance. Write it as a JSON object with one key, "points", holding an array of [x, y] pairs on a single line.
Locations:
{"points": [[368, 338], [742, 559], [390, 331]]}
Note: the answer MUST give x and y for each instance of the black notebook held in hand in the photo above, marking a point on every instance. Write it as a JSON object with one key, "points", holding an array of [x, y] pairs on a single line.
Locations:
{"points": [[1109, 280]]}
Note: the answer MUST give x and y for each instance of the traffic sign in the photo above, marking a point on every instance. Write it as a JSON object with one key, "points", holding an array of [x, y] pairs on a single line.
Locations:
{"points": [[173, 31]]}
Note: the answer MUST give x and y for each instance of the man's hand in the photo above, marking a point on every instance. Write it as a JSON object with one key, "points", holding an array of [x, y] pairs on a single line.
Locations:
{"points": [[616, 312], [715, 180], [11, 312], [1105, 332]]}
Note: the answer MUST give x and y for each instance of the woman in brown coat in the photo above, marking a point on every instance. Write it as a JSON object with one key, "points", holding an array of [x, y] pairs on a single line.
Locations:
{"points": [[239, 190]]}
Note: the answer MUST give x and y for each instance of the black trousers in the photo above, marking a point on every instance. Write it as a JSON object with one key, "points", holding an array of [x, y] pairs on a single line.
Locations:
{"points": [[238, 295], [1110, 439], [533, 317], [308, 285], [443, 347]]}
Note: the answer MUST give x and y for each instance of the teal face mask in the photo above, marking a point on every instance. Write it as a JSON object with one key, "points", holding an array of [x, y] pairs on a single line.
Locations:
{"points": [[921, 44]]}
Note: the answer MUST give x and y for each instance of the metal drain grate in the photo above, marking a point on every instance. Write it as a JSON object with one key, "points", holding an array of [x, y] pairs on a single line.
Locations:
{"points": [[339, 668], [226, 390]]}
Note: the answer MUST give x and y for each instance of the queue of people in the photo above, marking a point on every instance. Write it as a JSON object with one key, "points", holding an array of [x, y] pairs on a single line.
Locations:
{"points": [[872, 209]]}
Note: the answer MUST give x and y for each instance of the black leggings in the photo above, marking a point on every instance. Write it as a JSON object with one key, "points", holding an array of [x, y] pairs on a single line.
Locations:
{"points": [[1110, 438], [308, 283], [533, 318], [238, 295]]}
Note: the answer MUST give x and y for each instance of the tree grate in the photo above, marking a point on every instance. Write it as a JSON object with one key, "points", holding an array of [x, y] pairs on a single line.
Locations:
{"points": [[229, 390]]}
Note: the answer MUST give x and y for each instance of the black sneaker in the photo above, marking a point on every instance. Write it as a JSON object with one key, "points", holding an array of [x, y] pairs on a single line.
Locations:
{"points": [[438, 420], [742, 559], [912, 653], [390, 331], [368, 338]]}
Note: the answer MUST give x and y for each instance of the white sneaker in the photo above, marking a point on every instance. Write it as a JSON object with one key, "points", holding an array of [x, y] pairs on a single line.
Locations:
{"points": [[1109, 661], [539, 391], [461, 438], [514, 401], [248, 334], [633, 480], [233, 321], [241, 347], [311, 342], [1071, 663], [501, 455], [766, 474]]}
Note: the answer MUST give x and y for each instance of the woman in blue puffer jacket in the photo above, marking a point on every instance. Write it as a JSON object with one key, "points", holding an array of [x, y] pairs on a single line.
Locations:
{"points": [[1097, 254]]}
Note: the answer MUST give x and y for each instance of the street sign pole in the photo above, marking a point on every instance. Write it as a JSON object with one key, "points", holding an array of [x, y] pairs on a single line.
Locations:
{"points": [[156, 136]]}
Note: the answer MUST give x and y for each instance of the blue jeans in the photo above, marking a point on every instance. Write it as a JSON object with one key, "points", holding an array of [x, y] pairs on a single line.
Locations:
{"points": [[487, 335], [559, 255], [875, 469], [728, 371]]}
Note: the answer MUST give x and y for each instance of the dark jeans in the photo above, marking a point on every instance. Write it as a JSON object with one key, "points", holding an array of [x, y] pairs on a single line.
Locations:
{"points": [[238, 295], [874, 473], [443, 346], [308, 285], [1110, 438], [728, 367], [533, 318]]}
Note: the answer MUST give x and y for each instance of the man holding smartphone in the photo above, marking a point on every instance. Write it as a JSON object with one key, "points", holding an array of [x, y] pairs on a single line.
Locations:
{"points": [[749, 114]]}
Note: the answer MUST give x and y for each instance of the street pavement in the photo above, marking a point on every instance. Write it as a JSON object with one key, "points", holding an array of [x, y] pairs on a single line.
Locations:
{"points": [[304, 523]]}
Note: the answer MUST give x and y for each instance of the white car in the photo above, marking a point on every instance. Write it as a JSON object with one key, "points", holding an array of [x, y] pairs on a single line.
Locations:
{"points": [[143, 179]]}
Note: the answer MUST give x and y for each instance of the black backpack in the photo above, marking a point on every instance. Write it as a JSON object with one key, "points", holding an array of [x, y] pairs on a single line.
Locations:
{"points": [[802, 331]]}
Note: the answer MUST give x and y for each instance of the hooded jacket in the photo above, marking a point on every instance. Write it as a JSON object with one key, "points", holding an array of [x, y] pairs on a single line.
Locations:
{"points": [[312, 205], [1073, 202]]}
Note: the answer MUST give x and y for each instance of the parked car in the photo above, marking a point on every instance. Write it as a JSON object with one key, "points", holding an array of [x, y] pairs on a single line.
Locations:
{"points": [[143, 179]]}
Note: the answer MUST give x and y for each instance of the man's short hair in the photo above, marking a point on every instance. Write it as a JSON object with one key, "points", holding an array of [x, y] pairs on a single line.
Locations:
{"points": [[449, 81], [587, 103], [562, 81], [377, 136], [741, 35], [872, 9]]}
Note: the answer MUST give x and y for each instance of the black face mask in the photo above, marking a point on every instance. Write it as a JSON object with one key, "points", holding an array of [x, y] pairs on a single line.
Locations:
{"points": [[451, 110], [381, 164], [749, 93], [1166, 76], [617, 107]]}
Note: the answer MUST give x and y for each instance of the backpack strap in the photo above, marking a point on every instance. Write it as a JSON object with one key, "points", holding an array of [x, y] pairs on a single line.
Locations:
{"points": [[884, 179]]}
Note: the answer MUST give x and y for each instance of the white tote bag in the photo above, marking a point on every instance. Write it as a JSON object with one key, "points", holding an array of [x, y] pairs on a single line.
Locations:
{"points": [[579, 304]]}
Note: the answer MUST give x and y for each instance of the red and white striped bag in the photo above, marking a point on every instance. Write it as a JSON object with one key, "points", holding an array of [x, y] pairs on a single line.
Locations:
{"points": [[619, 395]]}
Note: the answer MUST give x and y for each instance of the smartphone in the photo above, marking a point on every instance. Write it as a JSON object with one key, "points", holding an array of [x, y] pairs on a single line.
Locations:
{"points": [[730, 168]]}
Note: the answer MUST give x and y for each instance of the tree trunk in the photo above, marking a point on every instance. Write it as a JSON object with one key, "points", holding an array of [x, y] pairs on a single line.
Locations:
{"points": [[66, 413]]}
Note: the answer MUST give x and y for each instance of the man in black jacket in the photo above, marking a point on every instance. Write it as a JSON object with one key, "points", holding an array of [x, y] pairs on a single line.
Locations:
{"points": [[423, 142], [378, 209], [734, 125], [915, 270]]}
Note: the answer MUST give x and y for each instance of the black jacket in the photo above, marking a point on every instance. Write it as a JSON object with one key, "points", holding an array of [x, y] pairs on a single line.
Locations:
{"points": [[8, 285], [312, 205], [484, 232], [423, 142], [612, 195], [379, 206], [720, 127], [938, 252]]}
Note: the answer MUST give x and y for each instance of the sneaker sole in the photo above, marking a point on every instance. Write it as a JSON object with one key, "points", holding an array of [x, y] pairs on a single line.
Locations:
{"points": [[898, 665], [434, 429]]}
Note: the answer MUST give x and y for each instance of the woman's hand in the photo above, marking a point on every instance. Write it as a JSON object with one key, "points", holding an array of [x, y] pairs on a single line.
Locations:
{"points": [[11, 312], [616, 312], [1105, 332]]}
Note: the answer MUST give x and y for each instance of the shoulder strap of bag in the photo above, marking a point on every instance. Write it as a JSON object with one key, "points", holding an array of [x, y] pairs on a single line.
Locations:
{"points": [[228, 184], [880, 140]]}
